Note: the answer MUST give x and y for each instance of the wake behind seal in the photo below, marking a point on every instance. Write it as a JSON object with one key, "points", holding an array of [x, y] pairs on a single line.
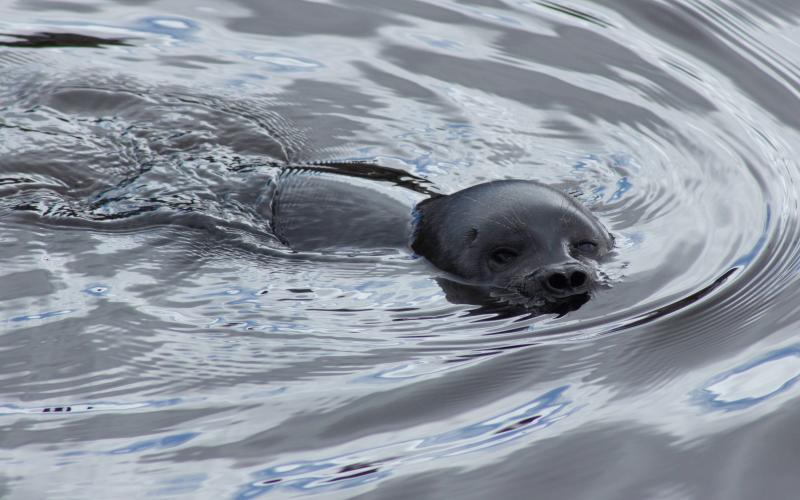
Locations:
{"points": [[517, 243]]}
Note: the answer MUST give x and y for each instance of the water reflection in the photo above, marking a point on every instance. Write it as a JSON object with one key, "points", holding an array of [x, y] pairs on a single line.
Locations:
{"points": [[753, 382], [152, 329], [356, 468], [44, 39]]}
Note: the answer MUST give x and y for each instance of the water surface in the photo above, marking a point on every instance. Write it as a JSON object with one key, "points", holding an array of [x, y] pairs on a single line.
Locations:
{"points": [[157, 341]]}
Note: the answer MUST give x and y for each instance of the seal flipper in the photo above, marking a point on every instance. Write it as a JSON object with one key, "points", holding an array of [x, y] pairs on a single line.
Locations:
{"points": [[313, 211]]}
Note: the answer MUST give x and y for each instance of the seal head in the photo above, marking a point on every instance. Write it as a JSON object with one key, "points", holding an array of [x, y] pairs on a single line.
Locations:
{"points": [[524, 243]]}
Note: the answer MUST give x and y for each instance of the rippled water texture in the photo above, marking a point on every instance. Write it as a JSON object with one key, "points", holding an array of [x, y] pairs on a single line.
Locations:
{"points": [[157, 341]]}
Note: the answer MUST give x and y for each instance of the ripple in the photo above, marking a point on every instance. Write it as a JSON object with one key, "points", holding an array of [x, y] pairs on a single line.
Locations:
{"points": [[367, 465], [152, 324]]}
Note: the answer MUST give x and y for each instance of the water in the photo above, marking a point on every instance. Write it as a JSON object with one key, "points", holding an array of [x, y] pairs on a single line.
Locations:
{"points": [[157, 341]]}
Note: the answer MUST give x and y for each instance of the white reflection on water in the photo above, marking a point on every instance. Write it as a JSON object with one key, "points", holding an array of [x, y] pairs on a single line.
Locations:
{"points": [[753, 382]]}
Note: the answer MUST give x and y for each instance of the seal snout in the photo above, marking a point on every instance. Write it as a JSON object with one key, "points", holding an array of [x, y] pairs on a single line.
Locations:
{"points": [[564, 280]]}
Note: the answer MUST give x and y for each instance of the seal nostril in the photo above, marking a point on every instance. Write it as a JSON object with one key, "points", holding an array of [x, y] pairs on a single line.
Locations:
{"points": [[577, 279], [558, 281]]}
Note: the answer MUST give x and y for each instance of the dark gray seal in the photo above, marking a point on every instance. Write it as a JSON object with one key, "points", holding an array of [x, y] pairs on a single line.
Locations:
{"points": [[513, 242]]}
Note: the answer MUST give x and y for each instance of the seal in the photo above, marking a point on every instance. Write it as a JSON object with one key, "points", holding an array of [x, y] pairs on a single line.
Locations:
{"points": [[518, 241], [514, 242]]}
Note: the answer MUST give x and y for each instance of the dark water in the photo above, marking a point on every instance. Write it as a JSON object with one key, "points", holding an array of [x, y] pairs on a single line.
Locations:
{"points": [[158, 342]]}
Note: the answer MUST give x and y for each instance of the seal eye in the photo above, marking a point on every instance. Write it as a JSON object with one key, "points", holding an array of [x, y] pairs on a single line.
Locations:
{"points": [[503, 256], [586, 246]]}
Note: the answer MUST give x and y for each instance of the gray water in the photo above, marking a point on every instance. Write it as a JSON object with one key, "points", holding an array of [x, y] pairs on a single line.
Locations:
{"points": [[156, 341]]}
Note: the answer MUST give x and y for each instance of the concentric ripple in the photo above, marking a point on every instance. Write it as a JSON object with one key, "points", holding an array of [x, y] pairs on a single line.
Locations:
{"points": [[157, 338]]}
